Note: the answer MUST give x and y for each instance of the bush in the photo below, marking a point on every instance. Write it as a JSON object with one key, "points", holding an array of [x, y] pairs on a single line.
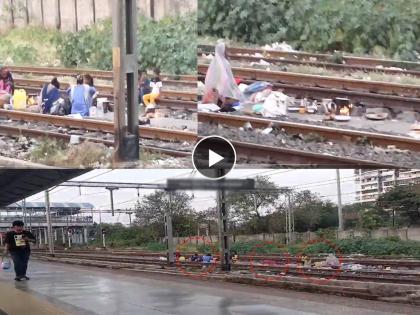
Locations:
{"points": [[387, 28], [156, 247], [28, 46], [170, 44]]}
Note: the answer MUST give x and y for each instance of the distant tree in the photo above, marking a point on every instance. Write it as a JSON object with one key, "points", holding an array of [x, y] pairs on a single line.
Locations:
{"points": [[150, 211], [353, 213], [251, 207], [404, 201], [312, 213]]}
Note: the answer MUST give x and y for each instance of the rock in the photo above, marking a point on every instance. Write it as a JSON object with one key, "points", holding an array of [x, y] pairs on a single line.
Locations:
{"points": [[408, 116], [247, 126]]}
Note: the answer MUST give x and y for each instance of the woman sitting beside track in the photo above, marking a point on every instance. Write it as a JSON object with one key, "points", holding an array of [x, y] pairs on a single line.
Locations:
{"points": [[221, 88], [6, 86], [50, 93]]}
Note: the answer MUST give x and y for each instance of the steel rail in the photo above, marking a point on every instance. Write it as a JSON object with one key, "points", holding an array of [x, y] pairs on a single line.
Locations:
{"points": [[338, 134]]}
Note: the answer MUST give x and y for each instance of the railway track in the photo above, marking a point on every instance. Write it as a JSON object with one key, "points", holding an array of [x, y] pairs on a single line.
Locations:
{"points": [[328, 82], [405, 262], [98, 125], [312, 61], [184, 80], [329, 133], [248, 152], [171, 99], [392, 102], [251, 265], [349, 61], [13, 131]]}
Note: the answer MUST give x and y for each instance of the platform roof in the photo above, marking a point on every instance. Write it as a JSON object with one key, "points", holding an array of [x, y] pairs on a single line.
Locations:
{"points": [[17, 184]]}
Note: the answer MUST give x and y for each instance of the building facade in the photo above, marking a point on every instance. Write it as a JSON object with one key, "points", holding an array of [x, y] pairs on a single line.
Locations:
{"points": [[370, 184]]}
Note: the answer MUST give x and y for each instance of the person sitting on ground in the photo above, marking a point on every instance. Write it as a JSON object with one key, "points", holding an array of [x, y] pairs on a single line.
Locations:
{"points": [[17, 244], [143, 85], [195, 258], [81, 96], [88, 80], [155, 85], [6, 86], [50, 93], [207, 259], [220, 78]]}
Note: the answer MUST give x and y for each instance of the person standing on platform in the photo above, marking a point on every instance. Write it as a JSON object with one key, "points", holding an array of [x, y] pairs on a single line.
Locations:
{"points": [[17, 244]]}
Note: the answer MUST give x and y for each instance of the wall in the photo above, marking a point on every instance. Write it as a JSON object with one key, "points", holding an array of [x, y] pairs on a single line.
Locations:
{"points": [[404, 234], [73, 15]]}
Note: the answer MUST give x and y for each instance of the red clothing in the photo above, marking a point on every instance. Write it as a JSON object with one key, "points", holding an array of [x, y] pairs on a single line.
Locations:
{"points": [[6, 84]]}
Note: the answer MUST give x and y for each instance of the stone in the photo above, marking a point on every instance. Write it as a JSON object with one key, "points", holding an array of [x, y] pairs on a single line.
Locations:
{"points": [[408, 116]]}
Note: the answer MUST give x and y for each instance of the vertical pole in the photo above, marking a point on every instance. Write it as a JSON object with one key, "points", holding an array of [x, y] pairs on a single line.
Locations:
{"points": [[24, 211], [289, 219], [152, 9], [223, 227], [340, 206], [125, 66], [69, 237], [169, 239], [63, 237], [111, 191], [49, 225], [85, 231], [129, 216], [103, 240]]}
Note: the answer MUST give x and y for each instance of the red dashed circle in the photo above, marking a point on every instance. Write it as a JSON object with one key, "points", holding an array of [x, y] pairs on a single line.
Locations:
{"points": [[271, 264], [337, 254], [208, 270]]}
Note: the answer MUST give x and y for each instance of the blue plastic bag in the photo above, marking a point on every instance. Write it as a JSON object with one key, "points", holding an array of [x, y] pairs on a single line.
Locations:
{"points": [[6, 264], [257, 87]]}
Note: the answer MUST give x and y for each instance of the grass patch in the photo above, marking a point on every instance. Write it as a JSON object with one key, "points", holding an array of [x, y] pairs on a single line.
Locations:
{"points": [[29, 46], [58, 153]]}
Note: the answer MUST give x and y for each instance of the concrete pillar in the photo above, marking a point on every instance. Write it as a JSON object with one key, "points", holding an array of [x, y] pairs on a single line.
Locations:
{"points": [[46, 235], [84, 13], [51, 17], [5, 13], [68, 16], [103, 9], [35, 12], [63, 236], [55, 235], [85, 231], [40, 236]]}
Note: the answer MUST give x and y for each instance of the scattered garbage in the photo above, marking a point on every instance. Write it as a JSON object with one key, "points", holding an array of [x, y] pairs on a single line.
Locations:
{"points": [[279, 47], [275, 105], [332, 261], [208, 108]]}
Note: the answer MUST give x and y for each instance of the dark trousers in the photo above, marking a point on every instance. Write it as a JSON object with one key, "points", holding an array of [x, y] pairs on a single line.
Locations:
{"points": [[20, 261]]}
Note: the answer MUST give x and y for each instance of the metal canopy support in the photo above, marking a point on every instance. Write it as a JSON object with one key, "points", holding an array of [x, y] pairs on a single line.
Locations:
{"points": [[225, 258], [169, 239], [111, 192], [340, 206], [49, 225], [125, 66]]}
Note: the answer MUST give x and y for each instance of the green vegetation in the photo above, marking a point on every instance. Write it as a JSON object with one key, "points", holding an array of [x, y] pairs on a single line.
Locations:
{"points": [[377, 27], [58, 153], [170, 44], [29, 46]]}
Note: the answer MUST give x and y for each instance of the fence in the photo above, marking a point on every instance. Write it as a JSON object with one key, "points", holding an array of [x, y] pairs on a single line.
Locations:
{"points": [[73, 15], [404, 234]]}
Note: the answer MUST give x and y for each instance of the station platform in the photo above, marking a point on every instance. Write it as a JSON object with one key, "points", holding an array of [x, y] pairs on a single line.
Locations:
{"points": [[69, 289]]}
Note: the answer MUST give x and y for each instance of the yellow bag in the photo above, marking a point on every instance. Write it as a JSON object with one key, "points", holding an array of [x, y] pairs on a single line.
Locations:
{"points": [[19, 99]]}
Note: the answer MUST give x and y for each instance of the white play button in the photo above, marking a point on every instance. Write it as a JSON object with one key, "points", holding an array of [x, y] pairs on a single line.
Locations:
{"points": [[214, 158]]}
